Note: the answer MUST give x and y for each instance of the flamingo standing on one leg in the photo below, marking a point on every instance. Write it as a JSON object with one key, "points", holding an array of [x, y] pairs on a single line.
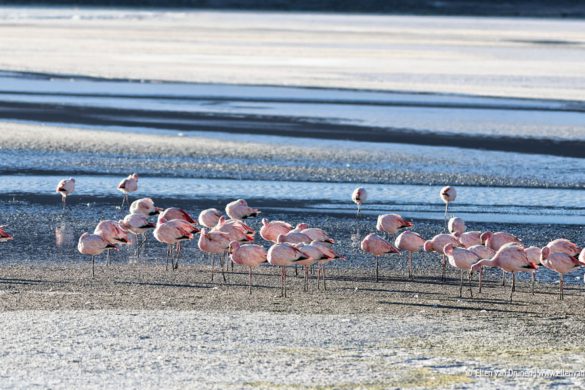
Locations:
{"points": [[410, 242], [510, 258], [463, 259], [483, 252], [172, 233], [496, 241], [563, 245], [392, 223], [249, 255], [377, 246], [448, 194], [128, 185], [284, 255], [65, 187], [437, 244], [359, 197], [330, 255], [214, 242], [112, 232], [559, 262], [93, 245], [144, 206], [137, 224]]}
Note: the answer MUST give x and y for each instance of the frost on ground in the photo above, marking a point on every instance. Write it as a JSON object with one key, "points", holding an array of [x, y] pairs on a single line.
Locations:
{"points": [[178, 349]]}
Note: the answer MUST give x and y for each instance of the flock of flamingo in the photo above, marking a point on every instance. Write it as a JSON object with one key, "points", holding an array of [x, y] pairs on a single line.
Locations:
{"points": [[309, 247]]}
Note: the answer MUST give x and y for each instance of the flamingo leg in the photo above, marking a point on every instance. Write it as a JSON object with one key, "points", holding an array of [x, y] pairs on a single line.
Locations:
{"points": [[108, 257], [377, 269], [533, 281], [93, 266], [410, 273], [446, 220], [250, 280], [561, 284], [282, 281], [503, 278], [513, 285], [469, 279], [223, 273], [443, 267], [324, 278], [212, 266], [319, 278], [461, 285], [480, 278], [306, 278], [285, 282]]}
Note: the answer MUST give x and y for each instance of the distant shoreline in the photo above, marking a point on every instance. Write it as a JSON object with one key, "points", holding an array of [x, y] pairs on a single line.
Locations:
{"points": [[570, 9]]}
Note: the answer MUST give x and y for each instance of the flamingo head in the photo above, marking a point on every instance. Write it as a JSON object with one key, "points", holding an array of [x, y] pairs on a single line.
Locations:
{"points": [[484, 237], [428, 246], [134, 176], [302, 226], [264, 221], [544, 253], [448, 249], [234, 245], [280, 239]]}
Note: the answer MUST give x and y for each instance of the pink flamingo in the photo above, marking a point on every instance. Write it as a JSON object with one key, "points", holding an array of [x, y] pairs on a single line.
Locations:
{"points": [[209, 218], [410, 242], [172, 233], [448, 194], [330, 255], [463, 259], [249, 255], [563, 245], [377, 246], [392, 223], [144, 206], [237, 223], [510, 258], [483, 252], [112, 232], [270, 230], [359, 197], [312, 254], [214, 243], [559, 262], [4, 236], [316, 234], [128, 185], [283, 255], [137, 224], [293, 237], [93, 245], [496, 241], [65, 187], [456, 226], [239, 209], [469, 239], [175, 213], [437, 244]]}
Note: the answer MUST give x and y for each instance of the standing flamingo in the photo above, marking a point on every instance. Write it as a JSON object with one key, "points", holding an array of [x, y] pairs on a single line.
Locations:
{"points": [[330, 255], [283, 255], [112, 232], [317, 234], [128, 185], [463, 259], [377, 246], [249, 255], [563, 245], [172, 233], [496, 241], [392, 223], [448, 194], [456, 226], [469, 239], [410, 242], [93, 245], [215, 243], [437, 244], [209, 218], [239, 209], [144, 206], [293, 237], [65, 187], [175, 213], [559, 262], [137, 224], [270, 230], [359, 197], [510, 258]]}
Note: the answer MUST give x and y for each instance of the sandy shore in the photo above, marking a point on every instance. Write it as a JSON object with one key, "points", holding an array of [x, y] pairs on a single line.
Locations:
{"points": [[139, 325]]}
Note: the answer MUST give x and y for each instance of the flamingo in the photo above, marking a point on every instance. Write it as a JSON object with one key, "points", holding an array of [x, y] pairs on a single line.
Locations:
{"points": [[448, 194], [330, 255], [209, 218], [437, 244], [534, 254], [270, 230], [293, 237], [312, 254], [463, 259], [137, 224], [4, 236], [410, 242], [563, 245], [249, 255], [456, 225], [144, 206], [316, 234], [283, 255], [483, 252], [392, 223], [175, 213], [112, 232], [214, 242], [172, 233], [239, 209], [65, 187], [469, 239], [559, 262], [93, 245], [377, 246], [359, 197], [236, 223], [128, 185], [496, 241], [510, 258]]}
